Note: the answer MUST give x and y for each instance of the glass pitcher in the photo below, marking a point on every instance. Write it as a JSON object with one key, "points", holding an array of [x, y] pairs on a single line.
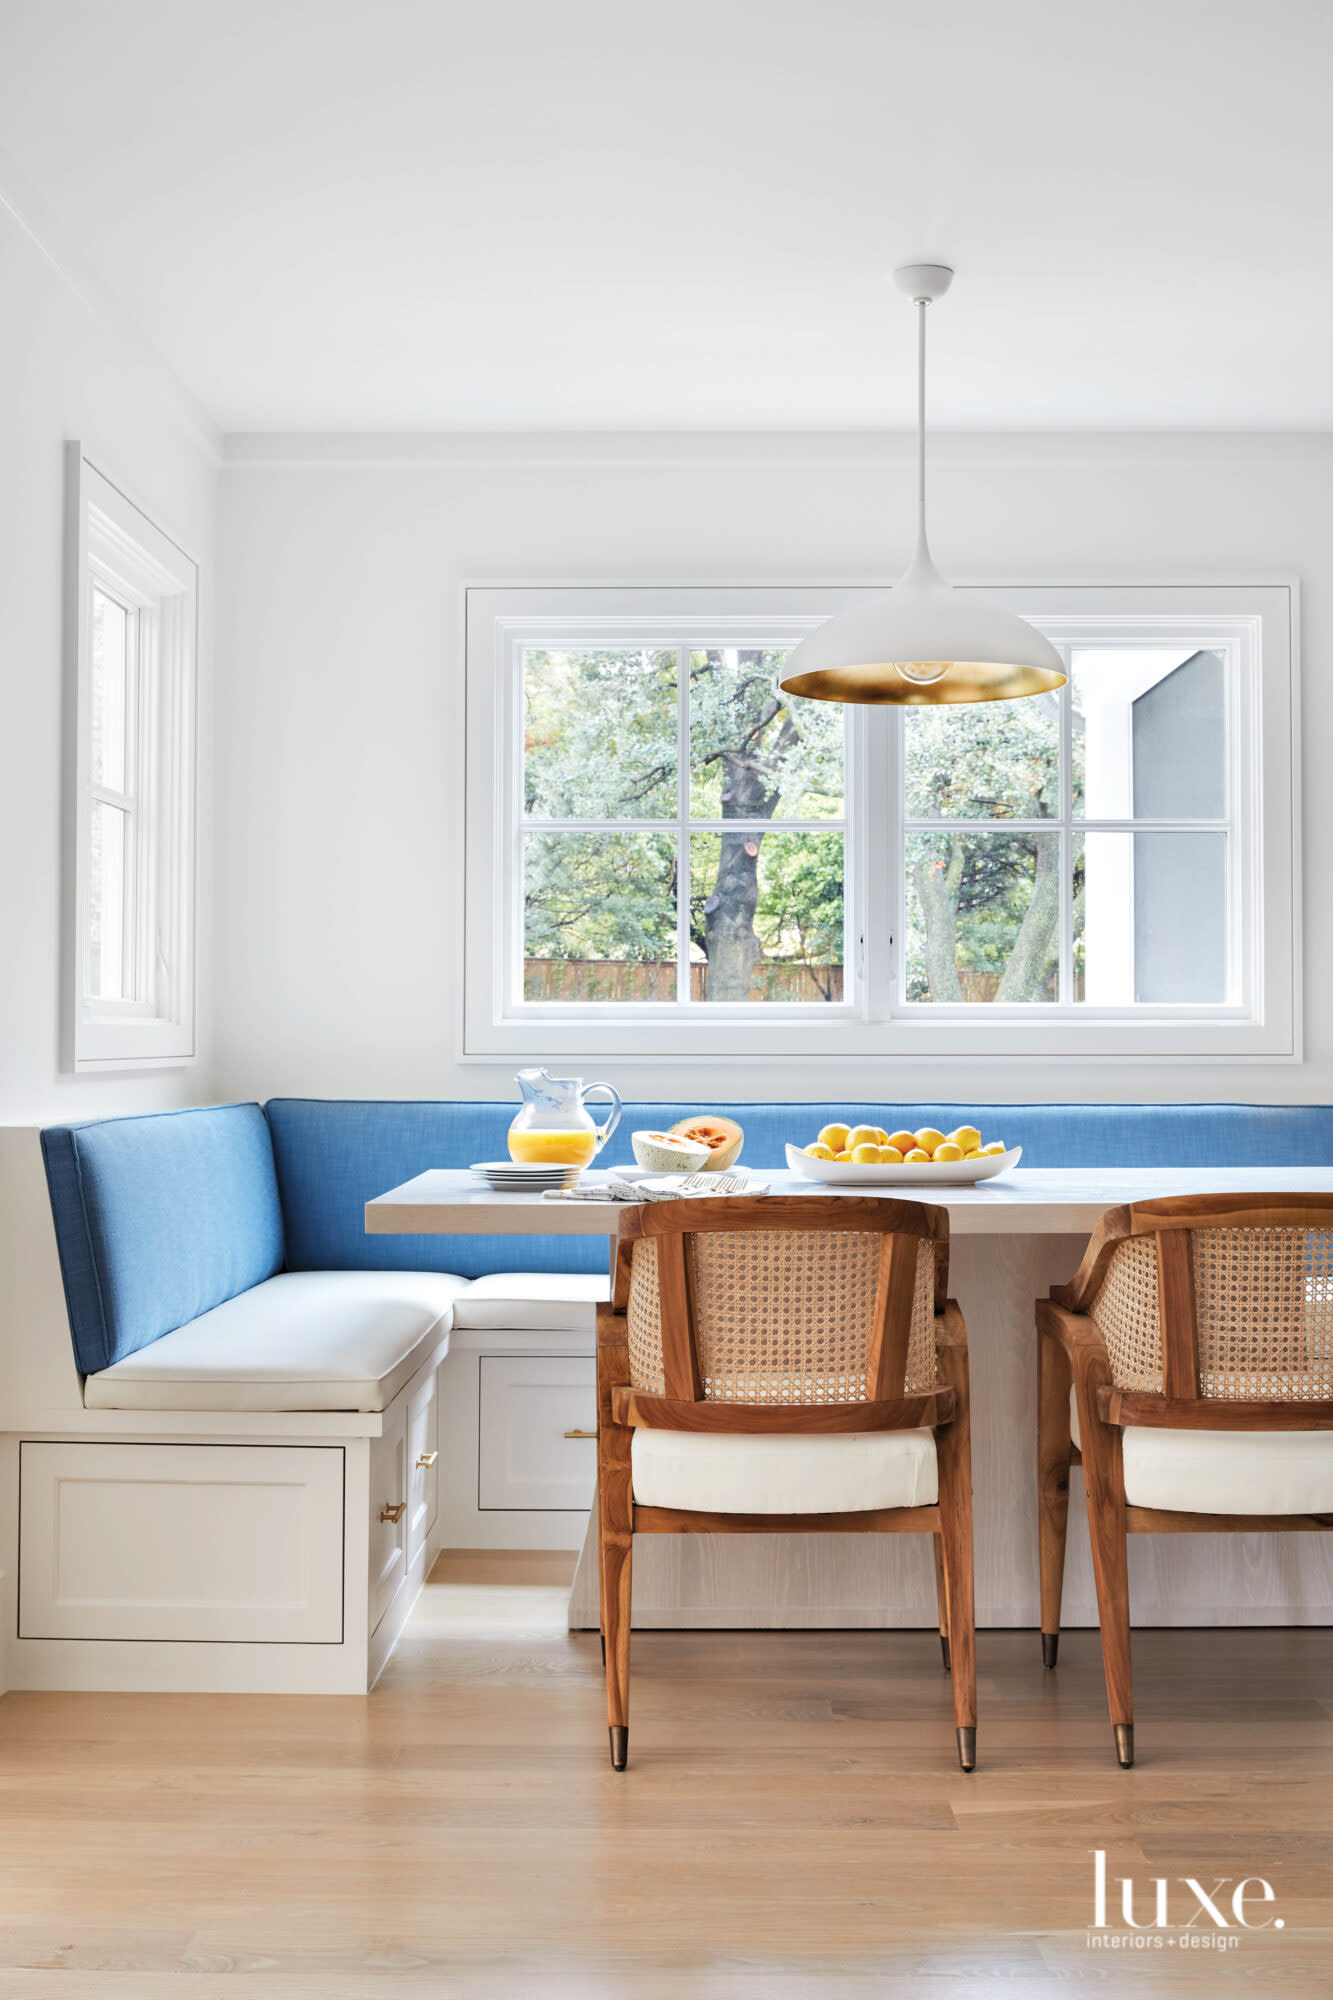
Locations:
{"points": [[552, 1125]]}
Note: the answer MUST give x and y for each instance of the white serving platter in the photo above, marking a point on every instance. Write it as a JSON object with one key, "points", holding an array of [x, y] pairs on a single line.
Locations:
{"points": [[927, 1173]]}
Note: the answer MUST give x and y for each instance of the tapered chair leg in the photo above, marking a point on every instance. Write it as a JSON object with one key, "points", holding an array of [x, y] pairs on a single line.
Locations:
{"points": [[953, 1447], [942, 1599], [1104, 1481], [615, 1535], [1054, 1448], [616, 1549], [618, 1573]]}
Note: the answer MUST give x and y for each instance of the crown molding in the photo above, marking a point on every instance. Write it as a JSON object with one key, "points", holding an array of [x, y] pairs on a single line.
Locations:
{"points": [[465, 451]]}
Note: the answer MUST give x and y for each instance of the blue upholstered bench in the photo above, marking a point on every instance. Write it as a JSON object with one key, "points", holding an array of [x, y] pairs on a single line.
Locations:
{"points": [[217, 1258]]}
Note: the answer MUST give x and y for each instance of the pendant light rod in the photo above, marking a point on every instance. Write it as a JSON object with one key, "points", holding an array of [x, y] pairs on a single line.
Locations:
{"points": [[922, 558], [923, 284]]}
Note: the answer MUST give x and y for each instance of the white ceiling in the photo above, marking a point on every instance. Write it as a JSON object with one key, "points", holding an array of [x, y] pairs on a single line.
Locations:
{"points": [[417, 214]]}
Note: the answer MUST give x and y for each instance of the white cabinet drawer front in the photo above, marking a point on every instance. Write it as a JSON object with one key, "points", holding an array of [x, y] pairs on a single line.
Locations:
{"points": [[388, 1511], [528, 1402], [240, 1543], [423, 1454]]}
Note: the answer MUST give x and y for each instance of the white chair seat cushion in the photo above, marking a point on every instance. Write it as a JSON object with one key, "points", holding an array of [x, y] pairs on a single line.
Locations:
{"points": [[305, 1340], [784, 1475], [1227, 1472], [1236, 1472], [534, 1301]]}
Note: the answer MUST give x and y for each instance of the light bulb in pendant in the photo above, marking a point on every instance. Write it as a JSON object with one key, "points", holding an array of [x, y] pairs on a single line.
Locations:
{"points": [[922, 673]]}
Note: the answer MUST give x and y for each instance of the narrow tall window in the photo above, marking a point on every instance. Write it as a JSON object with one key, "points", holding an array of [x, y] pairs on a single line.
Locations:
{"points": [[134, 628]]}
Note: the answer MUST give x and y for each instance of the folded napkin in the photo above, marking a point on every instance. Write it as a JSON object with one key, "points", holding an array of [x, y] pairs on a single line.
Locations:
{"points": [[621, 1188]]}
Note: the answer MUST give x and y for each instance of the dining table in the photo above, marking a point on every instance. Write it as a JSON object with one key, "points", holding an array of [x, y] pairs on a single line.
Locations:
{"points": [[1011, 1238]]}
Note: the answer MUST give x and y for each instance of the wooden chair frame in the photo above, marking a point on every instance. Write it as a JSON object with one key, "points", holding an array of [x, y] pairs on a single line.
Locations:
{"points": [[622, 1408], [1070, 1349]]}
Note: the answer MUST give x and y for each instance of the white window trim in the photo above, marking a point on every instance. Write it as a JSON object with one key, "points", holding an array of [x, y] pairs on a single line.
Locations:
{"points": [[112, 541], [1255, 627]]}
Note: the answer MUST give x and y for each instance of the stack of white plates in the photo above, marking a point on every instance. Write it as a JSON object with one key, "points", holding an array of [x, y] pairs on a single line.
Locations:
{"points": [[511, 1177]]}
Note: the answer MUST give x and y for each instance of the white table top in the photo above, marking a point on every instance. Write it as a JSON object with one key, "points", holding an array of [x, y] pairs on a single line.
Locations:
{"points": [[1029, 1201]]}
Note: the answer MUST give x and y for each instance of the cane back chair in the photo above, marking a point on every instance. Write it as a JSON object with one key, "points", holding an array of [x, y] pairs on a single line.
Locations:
{"points": [[1198, 1337], [784, 1365]]}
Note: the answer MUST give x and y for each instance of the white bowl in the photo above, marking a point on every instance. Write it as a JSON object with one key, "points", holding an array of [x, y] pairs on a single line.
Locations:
{"points": [[922, 1173]]}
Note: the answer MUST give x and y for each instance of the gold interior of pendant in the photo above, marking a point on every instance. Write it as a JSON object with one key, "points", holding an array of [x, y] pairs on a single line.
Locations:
{"points": [[964, 680]]}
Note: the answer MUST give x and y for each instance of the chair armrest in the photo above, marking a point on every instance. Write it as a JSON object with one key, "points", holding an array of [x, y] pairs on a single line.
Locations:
{"points": [[612, 1326], [1090, 1364], [1082, 1289], [1075, 1332], [612, 1359], [950, 1326]]}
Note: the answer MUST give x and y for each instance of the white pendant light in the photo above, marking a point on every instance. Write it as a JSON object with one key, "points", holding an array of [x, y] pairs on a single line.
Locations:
{"points": [[923, 641]]}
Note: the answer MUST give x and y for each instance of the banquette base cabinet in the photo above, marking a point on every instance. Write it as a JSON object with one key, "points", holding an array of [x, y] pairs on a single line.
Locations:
{"points": [[282, 1557], [518, 1428]]}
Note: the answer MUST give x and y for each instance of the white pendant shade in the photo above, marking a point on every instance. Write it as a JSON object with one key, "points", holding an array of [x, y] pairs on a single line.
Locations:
{"points": [[923, 641]]}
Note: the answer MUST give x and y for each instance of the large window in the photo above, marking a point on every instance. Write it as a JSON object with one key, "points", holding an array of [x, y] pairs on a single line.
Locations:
{"points": [[668, 855], [133, 627]]}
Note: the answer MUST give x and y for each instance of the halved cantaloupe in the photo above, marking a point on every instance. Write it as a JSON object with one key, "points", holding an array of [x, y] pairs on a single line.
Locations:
{"points": [[722, 1136]]}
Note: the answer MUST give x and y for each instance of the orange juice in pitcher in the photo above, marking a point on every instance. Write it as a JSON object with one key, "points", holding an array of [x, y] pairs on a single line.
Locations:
{"points": [[552, 1127]]}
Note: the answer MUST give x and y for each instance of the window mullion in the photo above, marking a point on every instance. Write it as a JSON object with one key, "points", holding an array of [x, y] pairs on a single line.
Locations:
{"points": [[1065, 986], [683, 825]]}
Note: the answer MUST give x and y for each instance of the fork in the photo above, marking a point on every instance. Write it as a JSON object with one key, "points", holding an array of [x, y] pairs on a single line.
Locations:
{"points": [[726, 1183]]}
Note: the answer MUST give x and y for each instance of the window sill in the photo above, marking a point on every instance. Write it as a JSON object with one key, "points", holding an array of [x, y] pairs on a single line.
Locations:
{"points": [[813, 1034]]}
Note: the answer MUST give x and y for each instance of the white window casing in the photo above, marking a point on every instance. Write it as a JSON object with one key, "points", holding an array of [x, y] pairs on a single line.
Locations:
{"points": [[1252, 628], [130, 928]]}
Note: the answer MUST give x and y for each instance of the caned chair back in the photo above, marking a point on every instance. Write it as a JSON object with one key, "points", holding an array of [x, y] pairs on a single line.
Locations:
{"points": [[1235, 1305], [821, 1300]]}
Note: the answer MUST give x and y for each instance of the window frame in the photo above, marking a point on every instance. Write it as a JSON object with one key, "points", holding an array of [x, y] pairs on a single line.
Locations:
{"points": [[116, 548], [1254, 626]]}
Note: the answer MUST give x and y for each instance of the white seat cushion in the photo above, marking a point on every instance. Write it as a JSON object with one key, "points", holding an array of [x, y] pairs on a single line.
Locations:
{"points": [[1234, 1472], [534, 1301], [784, 1475], [305, 1340], [1227, 1472]]}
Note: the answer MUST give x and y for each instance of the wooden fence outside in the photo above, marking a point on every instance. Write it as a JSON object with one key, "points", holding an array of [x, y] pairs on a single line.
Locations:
{"points": [[611, 979]]}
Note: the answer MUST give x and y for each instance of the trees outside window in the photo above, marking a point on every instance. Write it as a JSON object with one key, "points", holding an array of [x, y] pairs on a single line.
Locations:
{"points": [[683, 828], [666, 854]]}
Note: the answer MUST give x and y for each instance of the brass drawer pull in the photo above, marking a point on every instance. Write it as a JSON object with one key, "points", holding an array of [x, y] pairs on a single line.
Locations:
{"points": [[427, 1459], [580, 1434], [394, 1512]]}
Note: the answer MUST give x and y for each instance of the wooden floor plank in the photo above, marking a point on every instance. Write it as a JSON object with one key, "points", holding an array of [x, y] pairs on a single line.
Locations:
{"points": [[793, 1823]]}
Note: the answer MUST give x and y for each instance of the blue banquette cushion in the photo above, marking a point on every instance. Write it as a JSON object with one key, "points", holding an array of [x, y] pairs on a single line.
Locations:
{"points": [[334, 1155], [158, 1219]]}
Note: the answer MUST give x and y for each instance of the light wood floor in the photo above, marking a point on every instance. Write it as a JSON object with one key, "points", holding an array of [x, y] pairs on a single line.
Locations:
{"points": [[793, 1822]]}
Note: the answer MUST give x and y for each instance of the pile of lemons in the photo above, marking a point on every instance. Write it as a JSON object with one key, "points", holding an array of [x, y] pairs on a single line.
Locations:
{"points": [[872, 1146]]}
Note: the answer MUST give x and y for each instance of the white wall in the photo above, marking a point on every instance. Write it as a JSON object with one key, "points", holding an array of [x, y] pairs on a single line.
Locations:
{"points": [[340, 737], [70, 369]]}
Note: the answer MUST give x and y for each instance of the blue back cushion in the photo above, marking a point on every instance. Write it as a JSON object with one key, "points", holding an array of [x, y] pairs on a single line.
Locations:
{"points": [[333, 1156], [158, 1219]]}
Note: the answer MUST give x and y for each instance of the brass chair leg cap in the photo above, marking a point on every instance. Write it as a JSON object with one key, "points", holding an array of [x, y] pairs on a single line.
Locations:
{"points": [[1050, 1647], [967, 1749], [619, 1734], [1124, 1744], [944, 1650]]}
